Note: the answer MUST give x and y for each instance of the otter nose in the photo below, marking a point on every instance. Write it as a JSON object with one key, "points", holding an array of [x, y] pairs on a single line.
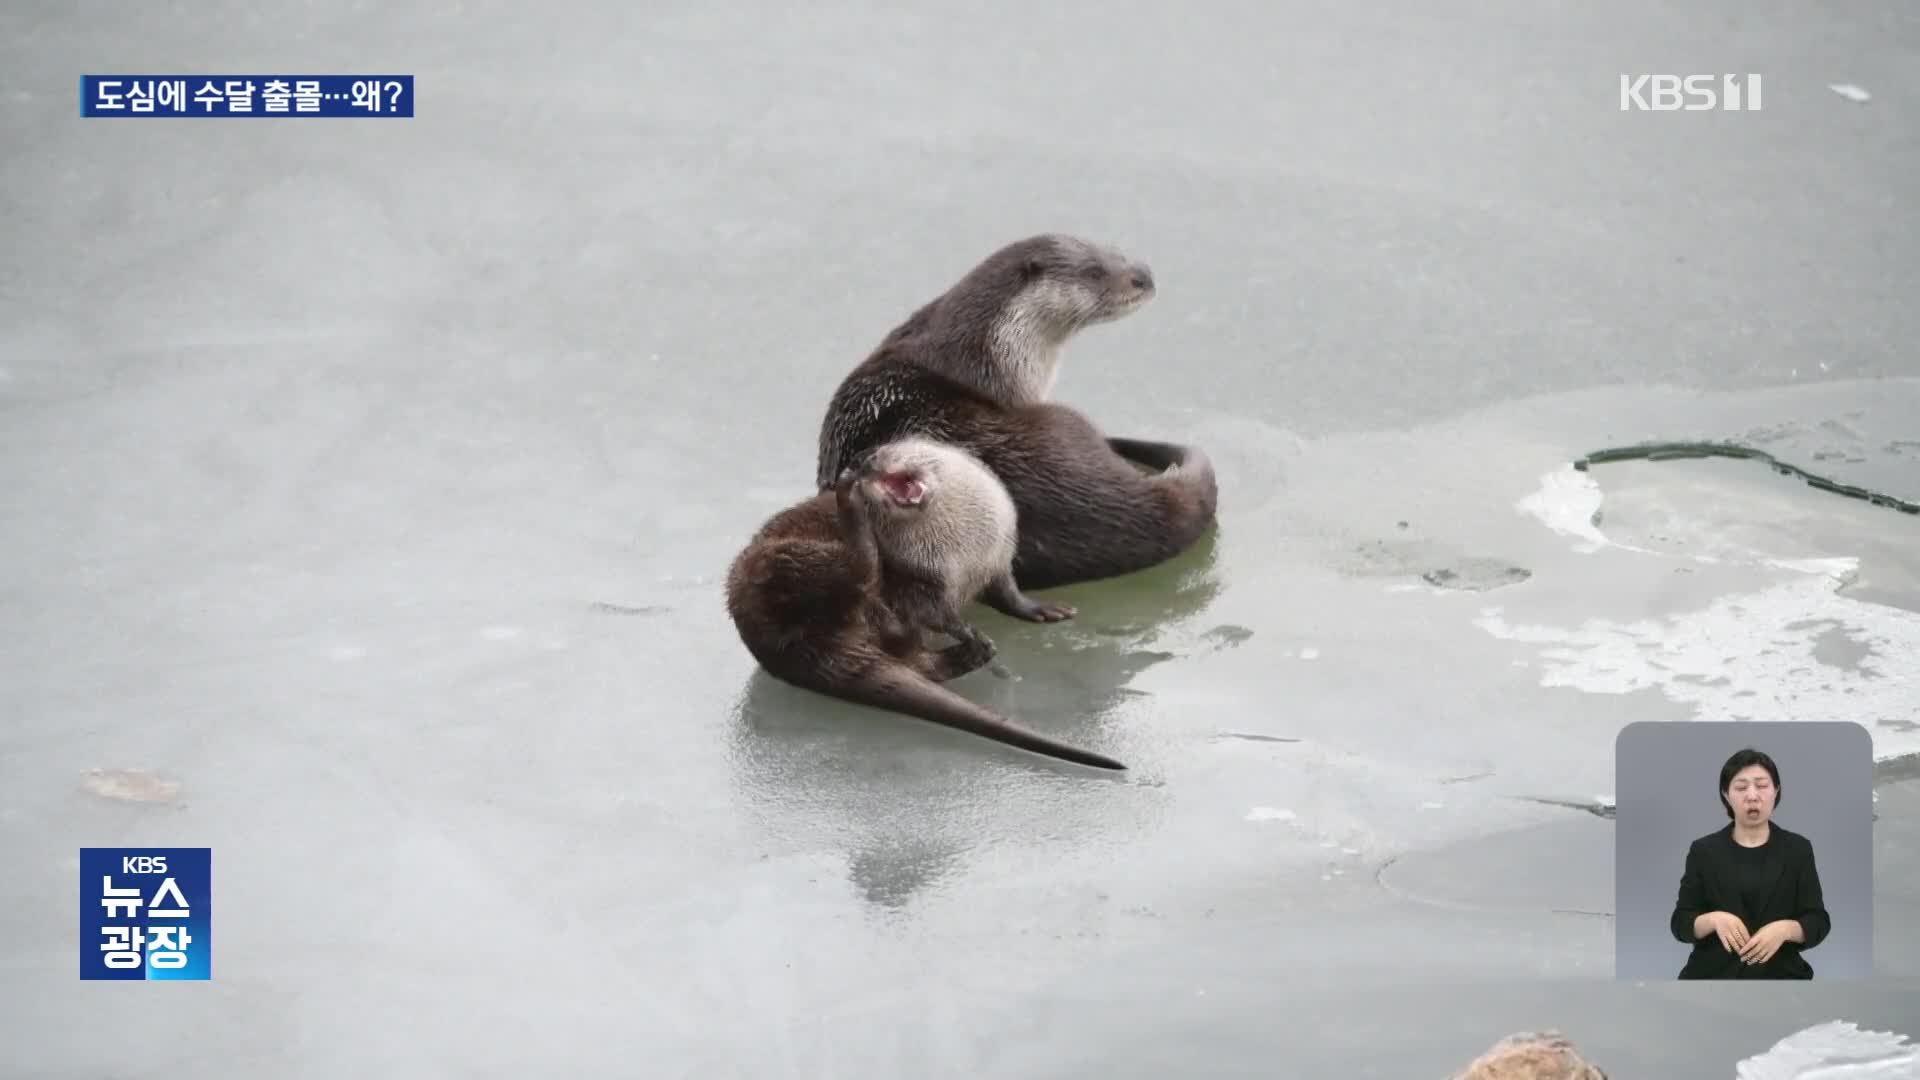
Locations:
{"points": [[1142, 276]]}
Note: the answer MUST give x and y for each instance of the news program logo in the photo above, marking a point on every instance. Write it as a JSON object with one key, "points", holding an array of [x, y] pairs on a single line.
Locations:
{"points": [[146, 913]]}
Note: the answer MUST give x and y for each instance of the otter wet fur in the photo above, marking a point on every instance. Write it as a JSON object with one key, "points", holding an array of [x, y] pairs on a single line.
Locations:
{"points": [[974, 367], [839, 594], [1532, 1055]]}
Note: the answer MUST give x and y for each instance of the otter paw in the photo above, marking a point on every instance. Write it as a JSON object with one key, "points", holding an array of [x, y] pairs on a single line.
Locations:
{"points": [[1047, 611], [980, 649]]}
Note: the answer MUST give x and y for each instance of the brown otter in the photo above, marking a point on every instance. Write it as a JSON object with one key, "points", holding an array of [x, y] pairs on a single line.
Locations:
{"points": [[1533, 1055], [974, 366], [837, 593]]}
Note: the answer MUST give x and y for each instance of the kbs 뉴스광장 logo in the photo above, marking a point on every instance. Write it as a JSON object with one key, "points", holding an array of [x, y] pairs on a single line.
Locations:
{"points": [[146, 913]]}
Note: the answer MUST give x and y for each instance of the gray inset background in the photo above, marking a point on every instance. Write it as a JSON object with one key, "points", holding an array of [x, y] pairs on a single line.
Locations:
{"points": [[1667, 773]]}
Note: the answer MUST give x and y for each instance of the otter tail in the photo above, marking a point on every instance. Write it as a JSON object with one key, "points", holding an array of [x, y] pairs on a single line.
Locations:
{"points": [[1186, 473], [906, 691], [1193, 471], [1158, 456]]}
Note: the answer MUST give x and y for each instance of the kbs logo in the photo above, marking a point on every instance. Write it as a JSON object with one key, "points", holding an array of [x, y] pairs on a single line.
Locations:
{"points": [[146, 913], [1692, 93]]}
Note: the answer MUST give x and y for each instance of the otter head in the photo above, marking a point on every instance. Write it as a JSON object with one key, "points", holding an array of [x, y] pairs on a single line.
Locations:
{"points": [[1066, 284], [932, 504], [1022, 303], [901, 478]]}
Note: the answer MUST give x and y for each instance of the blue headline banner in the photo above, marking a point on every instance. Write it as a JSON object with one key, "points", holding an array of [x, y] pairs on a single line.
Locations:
{"points": [[246, 95], [146, 913]]}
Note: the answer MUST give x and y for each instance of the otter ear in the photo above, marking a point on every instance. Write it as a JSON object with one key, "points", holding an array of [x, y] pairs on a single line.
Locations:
{"points": [[1031, 267]]}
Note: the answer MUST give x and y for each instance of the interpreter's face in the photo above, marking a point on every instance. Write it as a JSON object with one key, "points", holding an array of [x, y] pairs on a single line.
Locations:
{"points": [[1751, 794]]}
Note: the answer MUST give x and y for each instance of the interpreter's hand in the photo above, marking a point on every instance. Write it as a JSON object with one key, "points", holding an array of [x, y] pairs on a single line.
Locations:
{"points": [[1765, 942], [1732, 932]]}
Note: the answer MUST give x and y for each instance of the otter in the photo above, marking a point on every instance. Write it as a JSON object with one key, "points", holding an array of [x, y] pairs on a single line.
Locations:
{"points": [[837, 593], [974, 367], [1532, 1055]]}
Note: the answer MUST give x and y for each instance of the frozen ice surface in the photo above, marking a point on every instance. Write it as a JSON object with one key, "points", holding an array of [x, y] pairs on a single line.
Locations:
{"points": [[1836, 1051], [366, 487]]}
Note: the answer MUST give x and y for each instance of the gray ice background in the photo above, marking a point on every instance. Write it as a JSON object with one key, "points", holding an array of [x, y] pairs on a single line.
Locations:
{"points": [[365, 489]]}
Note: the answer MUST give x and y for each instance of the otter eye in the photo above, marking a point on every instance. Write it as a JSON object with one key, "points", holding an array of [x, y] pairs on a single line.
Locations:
{"points": [[1093, 271]]}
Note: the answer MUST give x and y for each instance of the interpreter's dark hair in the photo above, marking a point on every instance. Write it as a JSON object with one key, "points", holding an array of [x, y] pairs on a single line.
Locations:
{"points": [[1740, 760]]}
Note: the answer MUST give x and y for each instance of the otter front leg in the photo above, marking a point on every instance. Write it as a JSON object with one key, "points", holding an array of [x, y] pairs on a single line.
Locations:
{"points": [[1005, 597], [964, 632], [948, 621], [925, 605], [855, 529]]}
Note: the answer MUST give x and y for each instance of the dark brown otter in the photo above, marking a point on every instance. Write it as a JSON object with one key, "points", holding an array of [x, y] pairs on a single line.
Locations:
{"points": [[974, 367], [838, 593]]}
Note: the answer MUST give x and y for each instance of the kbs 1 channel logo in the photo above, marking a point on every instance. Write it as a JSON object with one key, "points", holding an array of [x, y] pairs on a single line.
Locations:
{"points": [[1689, 93], [146, 913]]}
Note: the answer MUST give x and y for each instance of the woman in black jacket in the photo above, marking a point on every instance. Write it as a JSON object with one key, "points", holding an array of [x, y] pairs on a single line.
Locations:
{"points": [[1750, 899]]}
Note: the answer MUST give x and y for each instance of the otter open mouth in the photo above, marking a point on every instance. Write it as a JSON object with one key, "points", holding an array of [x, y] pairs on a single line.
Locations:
{"points": [[903, 488]]}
